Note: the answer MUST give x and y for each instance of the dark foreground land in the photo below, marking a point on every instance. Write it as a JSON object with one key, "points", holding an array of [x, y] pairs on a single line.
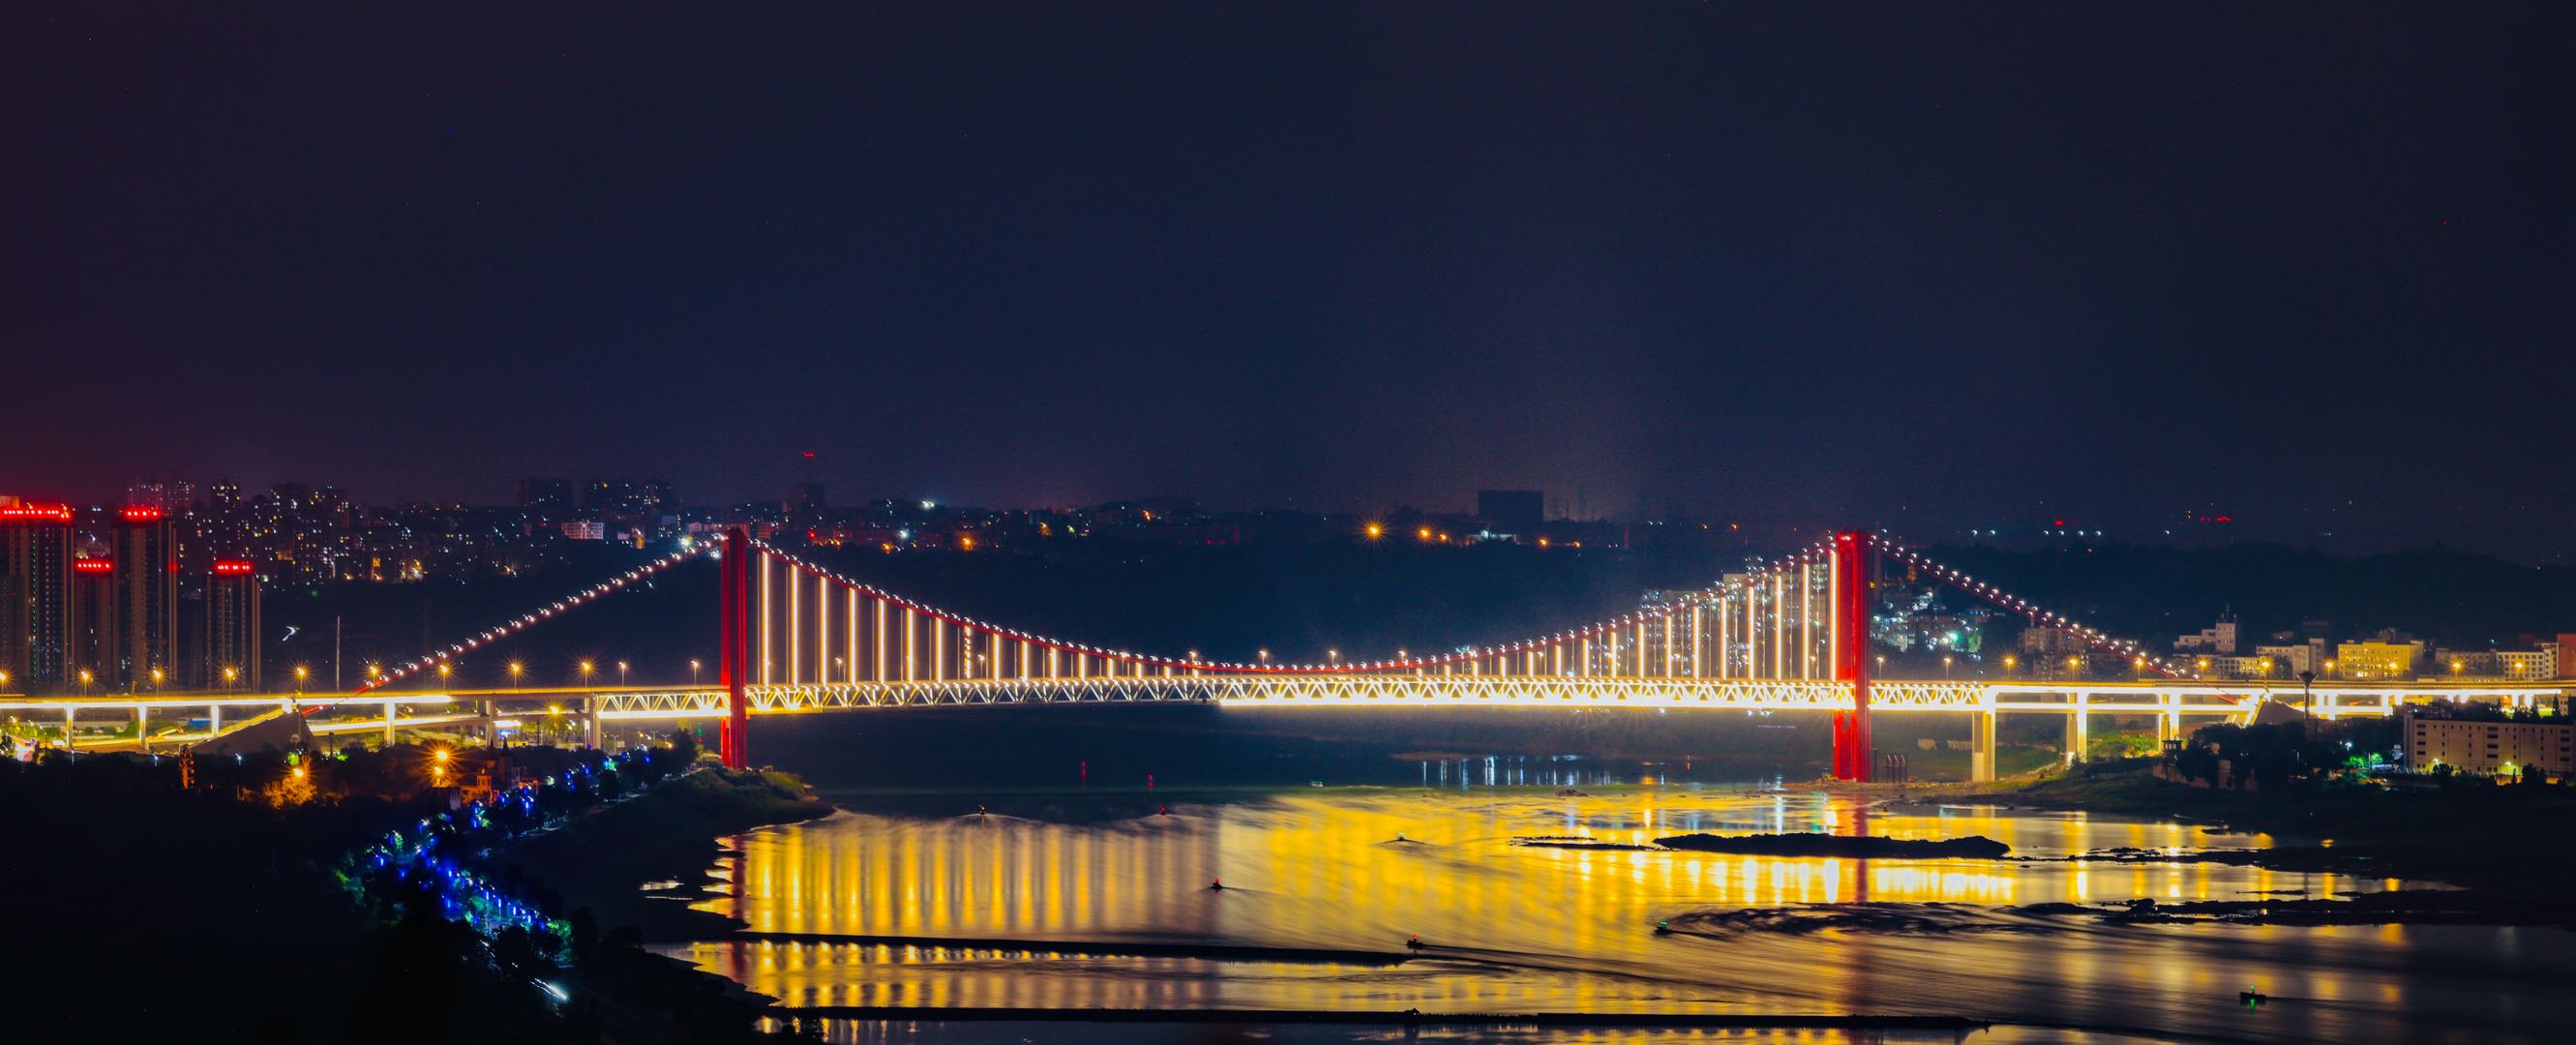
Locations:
{"points": [[231, 911], [602, 861]]}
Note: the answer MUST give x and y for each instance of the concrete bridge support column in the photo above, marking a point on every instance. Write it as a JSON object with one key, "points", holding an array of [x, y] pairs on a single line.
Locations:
{"points": [[389, 723], [214, 719], [142, 726], [591, 714], [2079, 735], [1981, 747]]}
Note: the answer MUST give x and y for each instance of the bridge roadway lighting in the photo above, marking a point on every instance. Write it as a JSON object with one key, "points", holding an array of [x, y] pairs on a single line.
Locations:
{"points": [[1374, 530], [693, 672], [621, 672], [516, 669], [586, 669], [302, 672]]}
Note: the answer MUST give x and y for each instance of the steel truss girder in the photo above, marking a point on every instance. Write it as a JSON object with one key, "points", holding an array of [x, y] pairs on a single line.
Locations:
{"points": [[1316, 691]]}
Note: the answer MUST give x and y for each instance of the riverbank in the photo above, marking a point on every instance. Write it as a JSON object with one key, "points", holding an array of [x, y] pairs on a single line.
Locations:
{"points": [[2501, 843], [603, 861]]}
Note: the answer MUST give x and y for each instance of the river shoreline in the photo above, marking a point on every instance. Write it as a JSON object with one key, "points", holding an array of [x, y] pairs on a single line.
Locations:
{"points": [[670, 834], [2498, 846]]}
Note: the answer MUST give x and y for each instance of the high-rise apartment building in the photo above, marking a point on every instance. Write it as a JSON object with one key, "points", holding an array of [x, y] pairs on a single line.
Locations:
{"points": [[232, 650], [147, 591], [35, 594], [97, 653]]}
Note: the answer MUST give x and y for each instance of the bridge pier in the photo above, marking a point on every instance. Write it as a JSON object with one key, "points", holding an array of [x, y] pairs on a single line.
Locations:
{"points": [[1981, 746], [214, 719], [2078, 728], [590, 725], [389, 723]]}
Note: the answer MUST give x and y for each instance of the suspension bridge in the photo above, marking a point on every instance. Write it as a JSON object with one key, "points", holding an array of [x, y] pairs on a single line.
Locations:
{"points": [[797, 638]]}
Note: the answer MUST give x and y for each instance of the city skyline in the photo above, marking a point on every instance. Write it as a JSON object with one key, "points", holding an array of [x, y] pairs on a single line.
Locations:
{"points": [[2026, 525]]}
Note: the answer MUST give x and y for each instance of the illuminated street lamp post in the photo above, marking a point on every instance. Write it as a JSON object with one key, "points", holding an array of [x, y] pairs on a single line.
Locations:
{"points": [[302, 672], [621, 673], [586, 669], [693, 671]]}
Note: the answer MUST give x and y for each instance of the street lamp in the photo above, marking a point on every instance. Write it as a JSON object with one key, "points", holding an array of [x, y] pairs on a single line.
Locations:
{"points": [[1265, 656], [517, 669], [2009, 661], [621, 672], [586, 668], [85, 678], [693, 671], [231, 675], [156, 678], [1945, 666]]}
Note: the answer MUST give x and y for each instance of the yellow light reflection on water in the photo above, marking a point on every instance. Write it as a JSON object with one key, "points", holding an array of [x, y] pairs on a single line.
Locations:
{"points": [[1512, 928]]}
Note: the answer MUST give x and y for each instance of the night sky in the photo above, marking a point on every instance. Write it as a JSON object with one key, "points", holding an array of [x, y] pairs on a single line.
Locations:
{"points": [[1925, 266]]}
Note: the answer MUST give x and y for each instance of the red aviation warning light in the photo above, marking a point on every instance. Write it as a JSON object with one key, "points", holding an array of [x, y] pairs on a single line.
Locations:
{"points": [[93, 566], [140, 513], [61, 513], [233, 567]]}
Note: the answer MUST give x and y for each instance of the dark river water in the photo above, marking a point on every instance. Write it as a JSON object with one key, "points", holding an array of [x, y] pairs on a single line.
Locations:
{"points": [[1513, 928]]}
